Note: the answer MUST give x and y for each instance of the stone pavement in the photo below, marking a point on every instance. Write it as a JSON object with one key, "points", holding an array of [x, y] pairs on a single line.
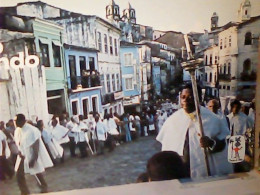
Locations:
{"points": [[122, 166]]}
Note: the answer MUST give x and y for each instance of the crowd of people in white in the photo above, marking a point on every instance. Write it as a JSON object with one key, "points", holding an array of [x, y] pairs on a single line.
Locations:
{"points": [[31, 146]]}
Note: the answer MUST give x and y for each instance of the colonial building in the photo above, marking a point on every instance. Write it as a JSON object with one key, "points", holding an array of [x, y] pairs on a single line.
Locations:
{"points": [[131, 76], [22, 86], [234, 49], [48, 46]]}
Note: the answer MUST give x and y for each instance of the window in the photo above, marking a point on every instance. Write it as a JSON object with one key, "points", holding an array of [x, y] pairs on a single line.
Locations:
{"points": [[102, 81], [210, 59], [115, 42], [99, 42], [85, 107], [206, 60], [206, 77], [247, 66], [228, 87], [225, 69], [230, 41], [44, 55], [225, 43], [113, 83], [118, 82], [91, 63], [82, 64], [248, 38], [129, 84], [105, 42], [108, 84], [72, 66], [220, 44], [210, 77], [229, 68], [216, 59], [74, 106], [56, 55], [94, 104], [128, 59], [224, 86], [215, 78], [111, 45]]}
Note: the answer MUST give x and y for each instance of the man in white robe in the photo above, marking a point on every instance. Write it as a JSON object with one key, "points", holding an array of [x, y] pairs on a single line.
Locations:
{"points": [[33, 157], [237, 119], [60, 134], [214, 107], [83, 137], [101, 131], [54, 149], [181, 134]]}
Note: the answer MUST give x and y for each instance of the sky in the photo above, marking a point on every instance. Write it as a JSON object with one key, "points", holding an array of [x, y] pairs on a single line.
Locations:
{"points": [[177, 15]]}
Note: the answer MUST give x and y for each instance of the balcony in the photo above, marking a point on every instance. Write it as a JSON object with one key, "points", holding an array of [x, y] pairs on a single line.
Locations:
{"points": [[108, 98], [245, 76], [224, 77], [87, 81]]}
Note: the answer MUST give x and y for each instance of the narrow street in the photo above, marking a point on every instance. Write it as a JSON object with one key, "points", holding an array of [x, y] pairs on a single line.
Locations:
{"points": [[122, 166]]}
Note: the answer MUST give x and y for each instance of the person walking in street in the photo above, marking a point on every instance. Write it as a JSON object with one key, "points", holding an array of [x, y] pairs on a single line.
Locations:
{"points": [[54, 149], [33, 157], [82, 142], [72, 135], [60, 134], [126, 127], [101, 134]]}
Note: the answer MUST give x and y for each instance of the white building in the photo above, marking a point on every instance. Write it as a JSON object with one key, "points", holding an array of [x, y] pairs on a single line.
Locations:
{"points": [[108, 44], [238, 55], [211, 66]]}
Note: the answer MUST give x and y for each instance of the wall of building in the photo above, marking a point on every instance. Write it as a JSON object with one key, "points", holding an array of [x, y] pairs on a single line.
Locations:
{"points": [[24, 90], [130, 71]]}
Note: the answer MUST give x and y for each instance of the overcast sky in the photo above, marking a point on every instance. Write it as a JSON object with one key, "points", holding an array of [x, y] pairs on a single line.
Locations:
{"points": [[177, 15]]}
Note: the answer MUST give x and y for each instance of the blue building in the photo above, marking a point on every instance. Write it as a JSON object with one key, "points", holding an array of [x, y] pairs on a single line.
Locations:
{"points": [[83, 79], [131, 76]]}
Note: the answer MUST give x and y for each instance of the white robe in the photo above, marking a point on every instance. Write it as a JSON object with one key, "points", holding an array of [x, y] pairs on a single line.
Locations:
{"points": [[101, 131], [91, 123], [239, 123], [173, 135], [83, 135], [112, 127], [54, 147], [7, 149], [25, 137], [59, 132]]}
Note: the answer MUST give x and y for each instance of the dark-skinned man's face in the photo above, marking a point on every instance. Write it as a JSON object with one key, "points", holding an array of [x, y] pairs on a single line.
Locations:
{"points": [[236, 109], [213, 106], [187, 100], [20, 123]]}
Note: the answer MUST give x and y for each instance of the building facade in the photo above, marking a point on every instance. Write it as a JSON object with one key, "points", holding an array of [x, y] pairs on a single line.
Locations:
{"points": [[22, 86]]}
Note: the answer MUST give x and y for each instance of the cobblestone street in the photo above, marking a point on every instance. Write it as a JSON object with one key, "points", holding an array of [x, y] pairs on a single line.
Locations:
{"points": [[122, 166]]}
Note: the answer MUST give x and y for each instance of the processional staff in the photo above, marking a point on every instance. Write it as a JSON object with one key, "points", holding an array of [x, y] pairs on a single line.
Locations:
{"points": [[191, 65]]}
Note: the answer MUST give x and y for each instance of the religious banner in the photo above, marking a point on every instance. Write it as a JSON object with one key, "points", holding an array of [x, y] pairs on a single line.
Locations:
{"points": [[236, 149]]}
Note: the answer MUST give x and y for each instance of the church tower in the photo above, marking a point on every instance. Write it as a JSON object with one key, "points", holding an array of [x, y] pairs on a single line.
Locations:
{"points": [[112, 12], [129, 14], [244, 13], [214, 21]]}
